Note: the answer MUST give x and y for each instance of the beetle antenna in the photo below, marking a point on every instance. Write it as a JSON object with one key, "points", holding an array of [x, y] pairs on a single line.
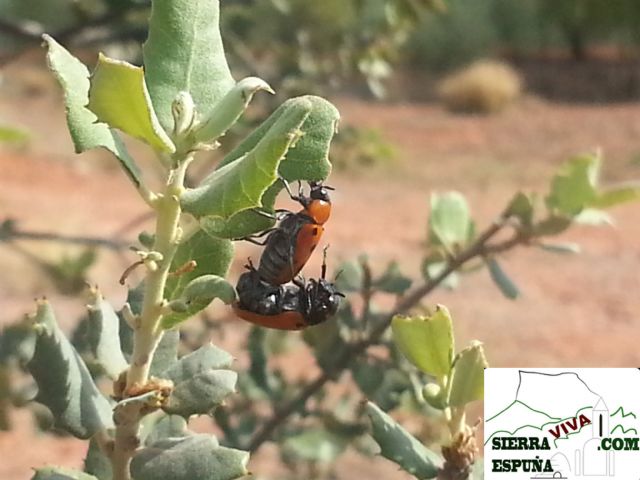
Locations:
{"points": [[324, 262]]}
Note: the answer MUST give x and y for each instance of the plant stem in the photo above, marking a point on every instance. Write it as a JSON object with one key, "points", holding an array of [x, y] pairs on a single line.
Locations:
{"points": [[147, 333], [478, 248]]}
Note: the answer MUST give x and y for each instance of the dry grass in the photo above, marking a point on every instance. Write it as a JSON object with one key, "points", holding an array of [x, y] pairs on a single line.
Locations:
{"points": [[486, 86]]}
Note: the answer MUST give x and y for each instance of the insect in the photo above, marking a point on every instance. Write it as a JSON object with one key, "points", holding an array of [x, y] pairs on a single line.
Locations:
{"points": [[285, 307], [289, 245]]}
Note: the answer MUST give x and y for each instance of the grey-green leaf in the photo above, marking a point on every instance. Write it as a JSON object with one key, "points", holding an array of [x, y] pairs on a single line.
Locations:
{"points": [[104, 336], [64, 383], [167, 352], [196, 457], [184, 53], [198, 294], [96, 463], [165, 426], [399, 446], [315, 445], [240, 185], [60, 473], [73, 77], [201, 382], [508, 288], [449, 222]]}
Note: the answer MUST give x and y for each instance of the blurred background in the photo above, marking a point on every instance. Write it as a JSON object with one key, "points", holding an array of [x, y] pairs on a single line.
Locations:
{"points": [[484, 97]]}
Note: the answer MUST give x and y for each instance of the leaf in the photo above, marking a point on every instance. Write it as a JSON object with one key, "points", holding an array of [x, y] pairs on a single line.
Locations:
{"points": [[618, 195], [310, 159], [119, 98], [350, 276], [201, 382], [426, 341], [431, 269], [227, 111], [521, 207], [399, 446], [393, 281], [467, 383], [166, 354], [60, 473], [166, 426], [196, 457], [96, 463], [380, 382], [184, 53], [64, 383], [240, 185], [104, 336], [553, 225], [449, 222], [574, 187], [561, 248], [502, 280], [315, 445], [212, 255], [593, 217], [73, 77]]}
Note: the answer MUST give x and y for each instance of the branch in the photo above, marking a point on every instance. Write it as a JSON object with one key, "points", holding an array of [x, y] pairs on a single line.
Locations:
{"points": [[9, 232], [479, 248]]}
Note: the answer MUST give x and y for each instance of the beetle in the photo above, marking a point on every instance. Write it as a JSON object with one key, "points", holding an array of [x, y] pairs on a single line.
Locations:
{"points": [[285, 307], [289, 246]]}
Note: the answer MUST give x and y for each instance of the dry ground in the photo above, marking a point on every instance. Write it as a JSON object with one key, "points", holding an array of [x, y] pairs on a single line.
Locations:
{"points": [[575, 310]]}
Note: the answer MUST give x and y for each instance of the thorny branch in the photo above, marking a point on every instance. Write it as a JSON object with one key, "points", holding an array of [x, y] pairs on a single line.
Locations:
{"points": [[478, 249]]}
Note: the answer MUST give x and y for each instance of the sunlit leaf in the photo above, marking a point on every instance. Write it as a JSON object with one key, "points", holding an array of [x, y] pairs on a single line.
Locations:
{"points": [[467, 383]]}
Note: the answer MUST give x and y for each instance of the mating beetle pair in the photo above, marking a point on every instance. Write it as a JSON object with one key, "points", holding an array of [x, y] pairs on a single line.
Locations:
{"points": [[263, 297]]}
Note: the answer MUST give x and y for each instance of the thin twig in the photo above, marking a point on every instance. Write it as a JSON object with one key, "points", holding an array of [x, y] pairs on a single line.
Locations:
{"points": [[479, 248]]}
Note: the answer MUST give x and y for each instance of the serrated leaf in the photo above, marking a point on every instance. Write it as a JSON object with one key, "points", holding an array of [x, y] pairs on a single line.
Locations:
{"points": [[561, 248], [118, 96], [201, 382], [184, 53], [227, 111], [197, 457], [315, 445], [574, 187], [449, 222], [64, 383], [240, 185], [60, 473], [212, 255], [508, 288], [426, 341], [73, 77], [467, 383], [393, 281], [96, 463], [104, 336], [197, 295], [399, 446]]}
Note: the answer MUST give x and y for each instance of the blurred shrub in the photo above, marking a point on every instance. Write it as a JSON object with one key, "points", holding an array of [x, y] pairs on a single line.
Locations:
{"points": [[362, 148], [486, 86]]}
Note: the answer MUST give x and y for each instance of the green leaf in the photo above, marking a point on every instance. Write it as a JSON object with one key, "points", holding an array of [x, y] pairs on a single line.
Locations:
{"points": [[196, 457], [96, 463], [574, 187], [201, 382], [467, 383], [60, 473], [315, 445], [426, 341], [198, 294], [593, 217], [502, 280], [229, 108], [561, 248], [240, 185], [392, 280], [380, 382], [350, 277], [104, 336], [617, 196], [165, 426], [85, 132], [521, 207], [119, 98], [184, 53], [449, 222], [166, 355], [64, 383], [310, 159], [553, 225], [399, 446], [431, 269], [212, 255]]}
